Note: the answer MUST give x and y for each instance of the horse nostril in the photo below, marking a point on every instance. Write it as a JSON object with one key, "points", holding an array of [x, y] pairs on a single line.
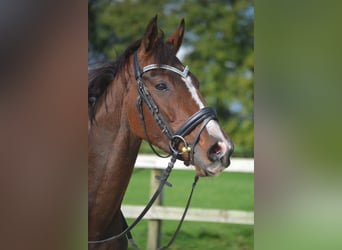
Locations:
{"points": [[216, 152]]}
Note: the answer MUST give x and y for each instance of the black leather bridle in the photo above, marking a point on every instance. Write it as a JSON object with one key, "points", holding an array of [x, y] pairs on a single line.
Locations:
{"points": [[203, 116]]}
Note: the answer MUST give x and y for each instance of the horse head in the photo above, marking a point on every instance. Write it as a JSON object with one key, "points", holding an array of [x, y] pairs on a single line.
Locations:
{"points": [[166, 108]]}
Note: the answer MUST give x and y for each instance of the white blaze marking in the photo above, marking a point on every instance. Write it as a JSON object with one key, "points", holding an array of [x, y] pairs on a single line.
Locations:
{"points": [[193, 91], [212, 127]]}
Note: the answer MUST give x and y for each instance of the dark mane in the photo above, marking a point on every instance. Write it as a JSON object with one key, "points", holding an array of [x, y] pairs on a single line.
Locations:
{"points": [[102, 76]]}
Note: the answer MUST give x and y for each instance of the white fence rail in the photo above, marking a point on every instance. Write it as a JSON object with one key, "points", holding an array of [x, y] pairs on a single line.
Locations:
{"points": [[194, 214], [151, 161], [158, 212]]}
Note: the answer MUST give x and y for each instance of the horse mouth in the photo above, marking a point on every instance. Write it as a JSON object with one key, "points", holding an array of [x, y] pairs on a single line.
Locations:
{"points": [[205, 168], [209, 171]]}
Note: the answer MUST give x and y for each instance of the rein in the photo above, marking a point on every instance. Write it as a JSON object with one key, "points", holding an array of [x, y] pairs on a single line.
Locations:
{"points": [[203, 116]]}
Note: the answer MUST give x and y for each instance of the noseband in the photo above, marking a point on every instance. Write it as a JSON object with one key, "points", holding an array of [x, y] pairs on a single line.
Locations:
{"points": [[204, 115]]}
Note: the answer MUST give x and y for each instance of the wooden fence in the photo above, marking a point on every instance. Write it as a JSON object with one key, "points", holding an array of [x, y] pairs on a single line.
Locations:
{"points": [[158, 212]]}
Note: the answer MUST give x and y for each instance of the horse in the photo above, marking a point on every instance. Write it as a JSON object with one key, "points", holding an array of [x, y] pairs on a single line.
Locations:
{"points": [[145, 94]]}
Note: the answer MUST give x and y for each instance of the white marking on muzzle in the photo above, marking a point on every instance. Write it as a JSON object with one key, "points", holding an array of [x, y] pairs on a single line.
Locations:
{"points": [[212, 127], [214, 130]]}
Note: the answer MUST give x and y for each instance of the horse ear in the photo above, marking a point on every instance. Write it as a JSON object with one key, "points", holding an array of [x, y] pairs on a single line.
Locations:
{"points": [[176, 38], [151, 34]]}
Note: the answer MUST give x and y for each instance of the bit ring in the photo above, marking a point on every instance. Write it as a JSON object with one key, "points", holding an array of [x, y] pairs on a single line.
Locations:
{"points": [[174, 142]]}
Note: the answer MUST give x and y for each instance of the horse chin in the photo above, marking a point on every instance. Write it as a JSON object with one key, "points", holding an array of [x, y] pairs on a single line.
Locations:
{"points": [[204, 170]]}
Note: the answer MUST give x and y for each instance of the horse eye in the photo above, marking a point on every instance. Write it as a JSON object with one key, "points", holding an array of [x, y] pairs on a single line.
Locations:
{"points": [[161, 86]]}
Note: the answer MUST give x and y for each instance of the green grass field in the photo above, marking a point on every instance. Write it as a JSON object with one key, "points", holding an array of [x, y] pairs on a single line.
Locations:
{"points": [[233, 191]]}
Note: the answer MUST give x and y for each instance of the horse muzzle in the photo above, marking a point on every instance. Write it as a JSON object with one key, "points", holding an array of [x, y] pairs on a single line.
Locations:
{"points": [[218, 158]]}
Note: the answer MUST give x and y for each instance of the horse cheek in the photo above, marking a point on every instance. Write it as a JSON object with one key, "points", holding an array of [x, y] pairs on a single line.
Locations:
{"points": [[133, 119]]}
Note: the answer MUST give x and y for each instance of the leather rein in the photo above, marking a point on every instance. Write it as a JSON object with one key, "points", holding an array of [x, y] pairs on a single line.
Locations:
{"points": [[203, 116]]}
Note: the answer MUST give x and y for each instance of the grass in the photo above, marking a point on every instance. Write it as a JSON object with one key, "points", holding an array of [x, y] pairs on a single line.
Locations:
{"points": [[232, 191]]}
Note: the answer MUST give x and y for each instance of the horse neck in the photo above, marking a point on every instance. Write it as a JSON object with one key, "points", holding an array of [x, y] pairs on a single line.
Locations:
{"points": [[112, 151]]}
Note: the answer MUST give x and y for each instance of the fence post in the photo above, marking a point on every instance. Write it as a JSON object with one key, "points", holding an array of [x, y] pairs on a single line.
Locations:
{"points": [[154, 226]]}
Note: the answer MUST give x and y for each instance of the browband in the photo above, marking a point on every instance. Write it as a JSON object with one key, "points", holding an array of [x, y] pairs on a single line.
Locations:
{"points": [[183, 73], [138, 72]]}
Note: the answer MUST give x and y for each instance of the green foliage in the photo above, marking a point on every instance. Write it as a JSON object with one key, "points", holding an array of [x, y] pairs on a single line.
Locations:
{"points": [[219, 41]]}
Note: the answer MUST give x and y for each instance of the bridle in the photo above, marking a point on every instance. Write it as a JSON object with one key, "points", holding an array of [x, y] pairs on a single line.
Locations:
{"points": [[203, 116]]}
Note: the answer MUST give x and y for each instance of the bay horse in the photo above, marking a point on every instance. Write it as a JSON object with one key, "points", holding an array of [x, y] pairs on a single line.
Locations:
{"points": [[146, 94]]}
